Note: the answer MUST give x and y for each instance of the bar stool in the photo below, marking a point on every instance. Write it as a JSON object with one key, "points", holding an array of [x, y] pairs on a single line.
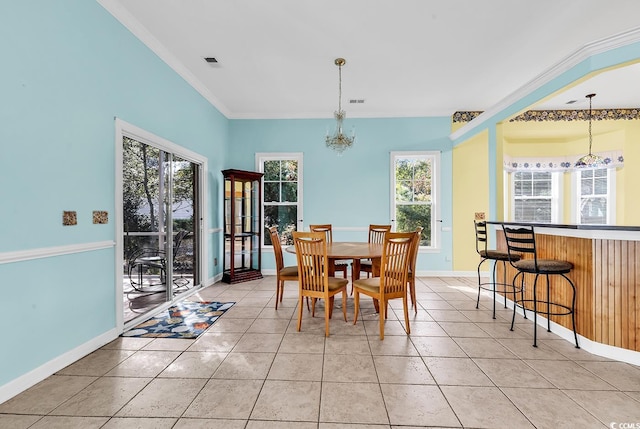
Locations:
{"points": [[521, 241], [495, 256]]}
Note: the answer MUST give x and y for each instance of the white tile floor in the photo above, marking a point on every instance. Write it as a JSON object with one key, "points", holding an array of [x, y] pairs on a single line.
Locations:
{"points": [[252, 369]]}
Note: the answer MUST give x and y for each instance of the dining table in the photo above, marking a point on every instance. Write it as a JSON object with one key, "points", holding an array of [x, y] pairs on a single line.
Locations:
{"points": [[355, 251]]}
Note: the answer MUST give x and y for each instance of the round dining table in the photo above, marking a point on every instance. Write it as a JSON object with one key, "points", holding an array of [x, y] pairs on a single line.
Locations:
{"points": [[355, 251]]}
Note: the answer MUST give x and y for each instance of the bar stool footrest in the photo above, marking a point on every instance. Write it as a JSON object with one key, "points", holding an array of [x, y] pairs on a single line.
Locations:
{"points": [[539, 311]]}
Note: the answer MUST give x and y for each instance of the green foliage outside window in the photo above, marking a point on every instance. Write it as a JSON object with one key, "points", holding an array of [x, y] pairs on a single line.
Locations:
{"points": [[413, 196], [281, 198]]}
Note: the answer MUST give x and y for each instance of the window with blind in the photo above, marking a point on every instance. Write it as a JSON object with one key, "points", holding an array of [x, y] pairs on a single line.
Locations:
{"points": [[535, 196], [594, 196]]}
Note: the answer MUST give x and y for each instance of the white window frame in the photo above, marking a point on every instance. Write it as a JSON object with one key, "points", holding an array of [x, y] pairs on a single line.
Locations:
{"points": [[261, 157], [434, 157], [556, 196], [576, 201]]}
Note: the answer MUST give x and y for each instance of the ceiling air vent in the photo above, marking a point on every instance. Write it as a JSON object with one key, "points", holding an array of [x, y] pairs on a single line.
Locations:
{"points": [[211, 60], [356, 101]]}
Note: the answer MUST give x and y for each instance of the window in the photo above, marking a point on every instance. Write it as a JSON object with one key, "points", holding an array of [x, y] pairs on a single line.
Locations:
{"points": [[535, 196], [414, 178], [594, 196], [282, 194]]}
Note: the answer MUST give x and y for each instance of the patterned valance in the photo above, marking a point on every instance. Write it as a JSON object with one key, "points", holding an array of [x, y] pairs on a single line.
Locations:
{"points": [[465, 116], [567, 115], [612, 159], [578, 115]]}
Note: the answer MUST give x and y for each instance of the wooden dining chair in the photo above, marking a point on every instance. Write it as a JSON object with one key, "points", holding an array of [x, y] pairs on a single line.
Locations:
{"points": [[313, 278], [338, 265], [376, 235], [411, 275], [392, 282], [283, 273]]}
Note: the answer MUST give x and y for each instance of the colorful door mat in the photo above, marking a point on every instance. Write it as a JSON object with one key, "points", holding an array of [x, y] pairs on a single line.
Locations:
{"points": [[187, 319]]}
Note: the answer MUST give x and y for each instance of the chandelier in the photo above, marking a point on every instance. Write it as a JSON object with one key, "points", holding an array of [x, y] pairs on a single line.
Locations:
{"points": [[339, 141], [590, 160]]}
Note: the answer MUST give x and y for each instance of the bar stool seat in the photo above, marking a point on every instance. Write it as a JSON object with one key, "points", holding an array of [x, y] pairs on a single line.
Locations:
{"points": [[521, 239], [496, 256], [545, 266]]}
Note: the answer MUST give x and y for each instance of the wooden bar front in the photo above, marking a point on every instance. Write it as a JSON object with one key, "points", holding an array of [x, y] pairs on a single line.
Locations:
{"points": [[606, 274]]}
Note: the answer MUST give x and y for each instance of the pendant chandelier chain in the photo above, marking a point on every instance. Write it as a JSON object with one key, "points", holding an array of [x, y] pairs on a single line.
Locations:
{"points": [[590, 116], [339, 87]]}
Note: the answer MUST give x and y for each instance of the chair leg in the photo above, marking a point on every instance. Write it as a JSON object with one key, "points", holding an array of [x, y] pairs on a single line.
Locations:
{"points": [[515, 299], [356, 303], [344, 304], [504, 281], [313, 307], [535, 312], [405, 305], [330, 305], [300, 313], [412, 292], [277, 293], [383, 315], [573, 310], [479, 283], [493, 279], [327, 316], [548, 307]]}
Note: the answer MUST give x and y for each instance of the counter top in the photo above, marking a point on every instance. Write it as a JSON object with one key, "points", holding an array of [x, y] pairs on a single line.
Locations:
{"points": [[571, 226]]}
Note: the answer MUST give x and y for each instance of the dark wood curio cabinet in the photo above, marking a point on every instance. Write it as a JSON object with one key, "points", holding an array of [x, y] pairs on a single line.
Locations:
{"points": [[242, 232]]}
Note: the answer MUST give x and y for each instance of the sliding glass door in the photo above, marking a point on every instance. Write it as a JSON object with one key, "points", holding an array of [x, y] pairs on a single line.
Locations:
{"points": [[161, 220]]}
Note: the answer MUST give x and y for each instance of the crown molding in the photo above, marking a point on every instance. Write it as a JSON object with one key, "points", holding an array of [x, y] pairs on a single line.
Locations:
{"points": [[572, 60], [329, 115], [139, 31]]}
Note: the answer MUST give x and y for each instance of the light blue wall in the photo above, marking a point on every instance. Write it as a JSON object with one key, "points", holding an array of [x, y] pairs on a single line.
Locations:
{"points": [[352, 190], [68, 68]]}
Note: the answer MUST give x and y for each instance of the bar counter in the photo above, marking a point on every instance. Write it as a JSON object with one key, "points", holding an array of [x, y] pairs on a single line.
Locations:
{"points": [[606, 274]]}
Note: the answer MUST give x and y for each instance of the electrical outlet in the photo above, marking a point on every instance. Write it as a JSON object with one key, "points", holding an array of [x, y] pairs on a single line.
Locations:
{"points": [[215, 262]]}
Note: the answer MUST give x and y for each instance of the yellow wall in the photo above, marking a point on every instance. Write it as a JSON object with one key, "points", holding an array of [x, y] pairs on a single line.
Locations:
{"points": [[550, 138], [471, 190]]}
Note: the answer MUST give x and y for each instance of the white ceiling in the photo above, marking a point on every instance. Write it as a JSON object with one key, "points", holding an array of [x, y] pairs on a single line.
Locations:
{"points": [[404, 57]]}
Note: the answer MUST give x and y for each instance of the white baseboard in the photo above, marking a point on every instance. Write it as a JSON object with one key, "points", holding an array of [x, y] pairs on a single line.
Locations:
{"points": [[35, 376], [593, 347]]}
